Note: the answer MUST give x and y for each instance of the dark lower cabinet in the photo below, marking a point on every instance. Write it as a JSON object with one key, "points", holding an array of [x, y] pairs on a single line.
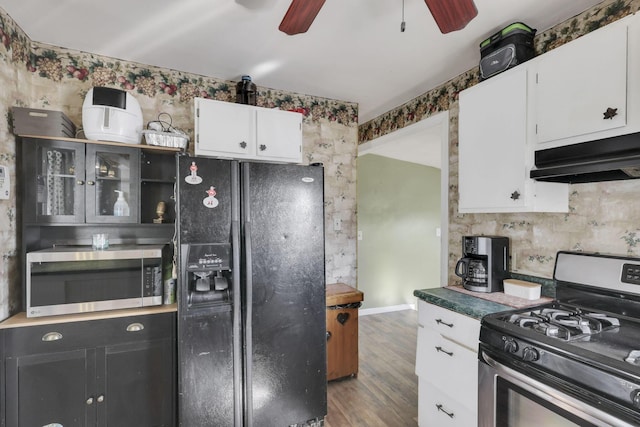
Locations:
{"points": [[112, 372], [49, 389], [138, 377]]}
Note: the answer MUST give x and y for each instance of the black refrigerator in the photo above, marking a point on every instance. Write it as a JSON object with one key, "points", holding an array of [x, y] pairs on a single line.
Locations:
{"points": [[251, 293]]}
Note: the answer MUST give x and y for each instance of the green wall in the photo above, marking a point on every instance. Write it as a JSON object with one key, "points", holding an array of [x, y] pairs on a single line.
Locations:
{"points": [[398, 214]]}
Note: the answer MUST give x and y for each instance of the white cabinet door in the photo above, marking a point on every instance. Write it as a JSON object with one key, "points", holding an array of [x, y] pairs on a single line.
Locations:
{"points": [[492, 144], [239, 131], [279, 135], [579, 82], [224, 129]]}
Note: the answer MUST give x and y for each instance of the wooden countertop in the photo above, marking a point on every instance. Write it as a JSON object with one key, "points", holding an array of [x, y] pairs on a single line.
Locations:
{"points": [[340, 293], [21, 319]]}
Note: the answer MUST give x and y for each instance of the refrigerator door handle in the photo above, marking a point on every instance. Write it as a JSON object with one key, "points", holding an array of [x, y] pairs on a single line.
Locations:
{"points": [[237, 298], [248, 293]]}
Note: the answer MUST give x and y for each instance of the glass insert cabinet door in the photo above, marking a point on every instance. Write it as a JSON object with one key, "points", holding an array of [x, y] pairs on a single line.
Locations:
{"points": [[113, 183], [54, 187], [68, 182]]}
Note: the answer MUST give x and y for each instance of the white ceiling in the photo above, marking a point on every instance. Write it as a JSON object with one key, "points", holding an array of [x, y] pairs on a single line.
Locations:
{"points": [[354, 50]]}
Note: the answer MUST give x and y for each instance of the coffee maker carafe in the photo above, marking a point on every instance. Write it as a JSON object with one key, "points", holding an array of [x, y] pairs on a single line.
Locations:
{"points": [[484, 263]]}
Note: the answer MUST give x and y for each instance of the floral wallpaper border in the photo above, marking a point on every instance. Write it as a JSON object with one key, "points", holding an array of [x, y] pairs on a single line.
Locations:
{"points": [[440, 98]]}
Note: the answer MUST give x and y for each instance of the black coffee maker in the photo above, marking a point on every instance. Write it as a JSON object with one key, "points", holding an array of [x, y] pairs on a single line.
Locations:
{"points": [[484, 263]]}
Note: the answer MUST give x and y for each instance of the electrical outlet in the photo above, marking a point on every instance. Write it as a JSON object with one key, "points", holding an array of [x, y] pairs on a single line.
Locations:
{"points": [[359, 234], [337, 224]]}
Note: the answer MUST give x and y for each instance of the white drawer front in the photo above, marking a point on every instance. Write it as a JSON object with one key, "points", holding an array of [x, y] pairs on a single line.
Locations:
{"points": [[449, 366], [437, 409], [463, 329]]}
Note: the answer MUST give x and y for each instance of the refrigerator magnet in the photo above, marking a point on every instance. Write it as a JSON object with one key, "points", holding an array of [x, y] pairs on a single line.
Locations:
{"points": [[210, 201], [193, 177]]}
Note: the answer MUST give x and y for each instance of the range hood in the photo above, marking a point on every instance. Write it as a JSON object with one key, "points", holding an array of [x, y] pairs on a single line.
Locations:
{"points": [[608, 159]]}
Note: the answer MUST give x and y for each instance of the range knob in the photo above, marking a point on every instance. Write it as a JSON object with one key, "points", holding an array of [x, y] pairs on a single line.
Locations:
{"points": [[530, 354], [635, 398], [510, 345]]}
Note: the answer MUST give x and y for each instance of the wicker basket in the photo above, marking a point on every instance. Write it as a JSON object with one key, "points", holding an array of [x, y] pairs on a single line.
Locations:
{"points": [[165, 139]]}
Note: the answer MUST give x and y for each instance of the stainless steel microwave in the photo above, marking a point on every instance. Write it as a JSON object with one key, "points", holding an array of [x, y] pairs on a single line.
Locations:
{"points": [[65, 280]]}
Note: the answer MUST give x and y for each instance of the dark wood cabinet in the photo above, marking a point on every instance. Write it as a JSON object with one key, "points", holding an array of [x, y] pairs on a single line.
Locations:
{"points": [[117, 372], [138, 378], [68, 182], [68, 189], [49, 388], [101, 369]]}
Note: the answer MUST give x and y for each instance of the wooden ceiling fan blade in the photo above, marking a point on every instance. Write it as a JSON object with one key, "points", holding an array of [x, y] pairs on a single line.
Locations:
{"points": [[300, 15], [452, 15]]}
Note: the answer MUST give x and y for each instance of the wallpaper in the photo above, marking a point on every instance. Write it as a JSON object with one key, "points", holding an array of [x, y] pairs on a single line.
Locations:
{"points": [[602, 217], [42, 76]]}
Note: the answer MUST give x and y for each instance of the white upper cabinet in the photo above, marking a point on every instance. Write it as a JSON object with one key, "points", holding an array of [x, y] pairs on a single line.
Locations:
{"points": [[279, 135], [582, 86], [494, 156], [587, 89], [239, 131], [492, 139]]}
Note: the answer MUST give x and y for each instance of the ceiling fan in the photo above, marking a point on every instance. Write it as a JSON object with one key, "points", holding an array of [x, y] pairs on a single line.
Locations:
{"points": [[450, 15]]}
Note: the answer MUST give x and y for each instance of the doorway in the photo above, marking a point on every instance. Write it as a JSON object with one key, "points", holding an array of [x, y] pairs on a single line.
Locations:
{"points": [[414, 154]]}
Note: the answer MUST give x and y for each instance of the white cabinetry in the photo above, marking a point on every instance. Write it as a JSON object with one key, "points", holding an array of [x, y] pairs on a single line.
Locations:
{"points": [[494, 155], [447, 367], [581, 87], [239, 131]]}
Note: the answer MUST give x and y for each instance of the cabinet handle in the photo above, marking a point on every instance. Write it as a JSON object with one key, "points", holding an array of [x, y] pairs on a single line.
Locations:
{"points": [[243, 145], [610, 113], [439, 406], [52, 336], [441, 322], [90, 401], [79, 182], [328, 335], [135, 327], [263, 147], [100, 398], [440, 349], [90, 183]]}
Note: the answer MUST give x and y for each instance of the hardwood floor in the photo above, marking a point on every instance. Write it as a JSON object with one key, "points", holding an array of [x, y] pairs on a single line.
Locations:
{"points": [[385, 392]]}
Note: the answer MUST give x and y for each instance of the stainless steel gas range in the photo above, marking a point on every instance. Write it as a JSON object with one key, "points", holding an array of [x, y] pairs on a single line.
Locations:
{"points": [[572, 362]]}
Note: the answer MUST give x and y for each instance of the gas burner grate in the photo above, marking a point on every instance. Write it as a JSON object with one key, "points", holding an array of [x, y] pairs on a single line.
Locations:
{"points": [[565, 324]]}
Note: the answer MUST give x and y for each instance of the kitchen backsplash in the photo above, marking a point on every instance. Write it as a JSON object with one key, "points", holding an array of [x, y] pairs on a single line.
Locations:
{"points": [[602, 217], [42, 76]]}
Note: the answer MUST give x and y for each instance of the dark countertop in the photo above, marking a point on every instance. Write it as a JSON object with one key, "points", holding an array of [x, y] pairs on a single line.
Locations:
{"points": [[460, 302]]}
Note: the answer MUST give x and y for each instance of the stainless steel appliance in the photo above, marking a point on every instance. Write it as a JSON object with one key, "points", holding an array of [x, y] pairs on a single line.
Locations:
{"points": [[484, 263], [65, 280], [575, 361], [251, 289]]}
